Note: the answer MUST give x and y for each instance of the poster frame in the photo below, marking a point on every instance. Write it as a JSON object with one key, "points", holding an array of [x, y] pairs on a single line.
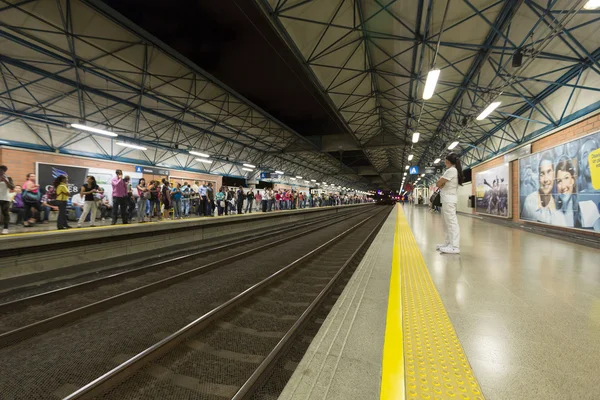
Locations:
{"points": [[541, 224], [510, 194]]}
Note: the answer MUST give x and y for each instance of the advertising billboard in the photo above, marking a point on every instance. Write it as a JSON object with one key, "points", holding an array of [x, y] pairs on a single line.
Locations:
{"points": [[47, 173], [561, 186], [492, 191]]}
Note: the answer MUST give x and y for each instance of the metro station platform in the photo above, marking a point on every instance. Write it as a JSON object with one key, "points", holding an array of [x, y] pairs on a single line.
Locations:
{"points": [[515, 316]]}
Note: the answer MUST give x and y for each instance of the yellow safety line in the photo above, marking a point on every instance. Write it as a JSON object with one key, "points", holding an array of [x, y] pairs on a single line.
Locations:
{"points": [[392, 377], [435, 363]]}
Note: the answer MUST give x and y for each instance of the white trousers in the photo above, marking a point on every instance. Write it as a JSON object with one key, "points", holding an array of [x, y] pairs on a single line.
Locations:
{"points": [[451, 224], [87, 207]]}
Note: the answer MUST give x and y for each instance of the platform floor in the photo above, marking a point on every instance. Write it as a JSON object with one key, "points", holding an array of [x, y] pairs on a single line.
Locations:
{"points": [[525, 310]]}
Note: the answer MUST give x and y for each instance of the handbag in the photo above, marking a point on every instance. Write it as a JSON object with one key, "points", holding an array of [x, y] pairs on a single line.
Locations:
{"points": [[30, 197]]}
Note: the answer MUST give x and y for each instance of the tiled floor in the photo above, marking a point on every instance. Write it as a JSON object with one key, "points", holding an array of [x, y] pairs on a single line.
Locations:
{"points": [[525, 307]]}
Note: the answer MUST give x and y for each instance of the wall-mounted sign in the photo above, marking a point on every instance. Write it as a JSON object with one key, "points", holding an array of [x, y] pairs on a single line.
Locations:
{"points": [[430, 170], [269, 175], [414, 170], [518, 153], [151, 170]]}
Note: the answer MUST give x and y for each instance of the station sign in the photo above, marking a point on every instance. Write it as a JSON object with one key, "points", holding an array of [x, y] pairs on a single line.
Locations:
{"points": [[518, 153], [430, 170], [269, 175], [151, 171], [414, 170]]}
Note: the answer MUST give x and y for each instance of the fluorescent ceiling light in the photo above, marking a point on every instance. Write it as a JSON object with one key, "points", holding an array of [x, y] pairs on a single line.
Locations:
{"points": [[306, 182], [432, 78], [298, 177], [292, 179], [196, 153], [279, 172], [324, 183], [489, 109], [410, 157], [3, 142], [422, 175], [407, 167], [204, 160], [415, 138], [313, 180], [437, 160], [94, 130], [132, 146], [249, 165], [405, 174], [592, 4], [248, 169], [452, 145]]}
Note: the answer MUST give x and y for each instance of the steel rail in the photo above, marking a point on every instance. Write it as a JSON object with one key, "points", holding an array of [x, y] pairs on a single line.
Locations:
{"points": [[24, 302], [248, 388], [47, 324], [123, 371]]}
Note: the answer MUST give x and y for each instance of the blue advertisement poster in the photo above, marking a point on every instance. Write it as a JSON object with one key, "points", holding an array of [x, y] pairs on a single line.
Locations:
{"points": [[561, 187]]}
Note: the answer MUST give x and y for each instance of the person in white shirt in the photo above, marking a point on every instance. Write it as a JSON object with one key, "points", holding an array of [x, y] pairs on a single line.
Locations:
{"points": [[540, 205], [77, 203], [448, 183], [6, 185]]}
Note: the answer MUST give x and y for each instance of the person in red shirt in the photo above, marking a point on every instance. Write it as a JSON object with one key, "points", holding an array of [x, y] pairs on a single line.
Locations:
{"points": [[277, 200]]}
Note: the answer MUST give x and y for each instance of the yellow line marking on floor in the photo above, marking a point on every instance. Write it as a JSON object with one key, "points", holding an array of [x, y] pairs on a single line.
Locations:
{"points": [[435, 363], [392, 376]]}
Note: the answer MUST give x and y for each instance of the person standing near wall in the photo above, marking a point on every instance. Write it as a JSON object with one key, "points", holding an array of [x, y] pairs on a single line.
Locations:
{"points": [[203, 200], [210, 194], [143, 197], [240, 199], [119, 193], [62, 197], [176, 195], [88, 191], [249, 201], [6, 184], [449, 183]]}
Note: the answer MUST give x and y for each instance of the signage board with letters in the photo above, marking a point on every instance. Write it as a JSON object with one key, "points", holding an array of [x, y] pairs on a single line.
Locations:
{"points": [[414, 170], [151, 170]]}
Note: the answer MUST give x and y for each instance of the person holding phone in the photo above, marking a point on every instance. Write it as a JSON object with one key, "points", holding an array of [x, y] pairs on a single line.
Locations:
{"points": [[119, 192], [88, 191]]}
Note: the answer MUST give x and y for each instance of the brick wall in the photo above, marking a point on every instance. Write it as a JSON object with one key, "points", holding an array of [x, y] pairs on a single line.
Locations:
{"points": [[583, 128], [22, 162]]}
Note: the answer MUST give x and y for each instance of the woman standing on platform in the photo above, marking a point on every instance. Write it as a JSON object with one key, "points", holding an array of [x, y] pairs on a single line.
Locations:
{"points": [[62, 196], [448, 183]]}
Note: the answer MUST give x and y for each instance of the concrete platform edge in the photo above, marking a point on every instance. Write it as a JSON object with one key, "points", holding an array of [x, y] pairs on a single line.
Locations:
{"points": [[344, 359]]}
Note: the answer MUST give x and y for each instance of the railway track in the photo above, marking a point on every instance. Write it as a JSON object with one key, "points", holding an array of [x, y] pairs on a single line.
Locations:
{"points": [[52, 364], [229, 351], [24, 317]]}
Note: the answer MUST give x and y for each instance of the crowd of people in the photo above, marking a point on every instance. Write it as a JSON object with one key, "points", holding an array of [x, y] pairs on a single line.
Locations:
{"points": [[155, 200]]}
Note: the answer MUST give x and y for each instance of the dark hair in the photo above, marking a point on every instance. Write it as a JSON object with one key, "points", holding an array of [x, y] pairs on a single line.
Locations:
{"points": [[454, 160], [119, 172], [29, 174], [93, 179], [4, 168], [141, 180], [566, 165], [59, 180]]}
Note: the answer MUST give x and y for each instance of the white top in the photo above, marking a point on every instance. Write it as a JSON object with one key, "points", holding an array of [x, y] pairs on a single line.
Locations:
{"points": [[449, 192], [535, 211], [77, 199], [4, 193]]}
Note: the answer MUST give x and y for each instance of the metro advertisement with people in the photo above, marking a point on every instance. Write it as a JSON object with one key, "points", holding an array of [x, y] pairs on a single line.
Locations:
{"points": [[493, 192], [561, 186]]}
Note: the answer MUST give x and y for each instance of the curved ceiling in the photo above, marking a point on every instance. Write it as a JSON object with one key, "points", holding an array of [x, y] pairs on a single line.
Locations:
{"points": [[358, 68]]}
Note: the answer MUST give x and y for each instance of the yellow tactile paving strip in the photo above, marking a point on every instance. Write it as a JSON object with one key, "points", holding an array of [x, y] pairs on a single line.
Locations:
{"points": [[434, 362]]}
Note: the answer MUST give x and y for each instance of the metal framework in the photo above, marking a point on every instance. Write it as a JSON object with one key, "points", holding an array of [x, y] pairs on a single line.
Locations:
{"points": [[371, 57], [70, 61]]}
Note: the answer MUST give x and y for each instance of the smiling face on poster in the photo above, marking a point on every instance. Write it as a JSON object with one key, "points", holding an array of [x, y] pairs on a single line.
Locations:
{"points": [[561, 186], [493, 191]]}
